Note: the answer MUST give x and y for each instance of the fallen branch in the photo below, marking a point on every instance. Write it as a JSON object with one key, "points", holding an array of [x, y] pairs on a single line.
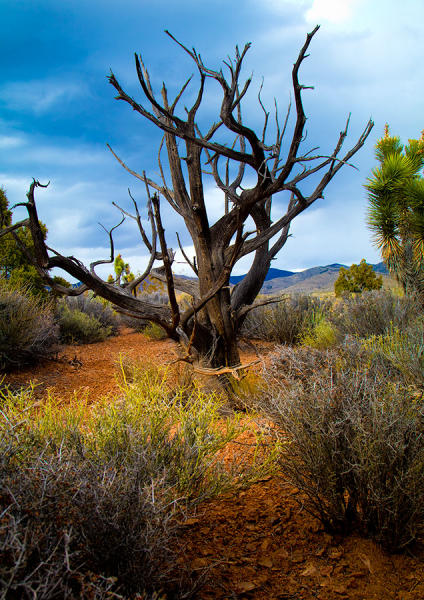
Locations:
{"points": [[211, 372]]}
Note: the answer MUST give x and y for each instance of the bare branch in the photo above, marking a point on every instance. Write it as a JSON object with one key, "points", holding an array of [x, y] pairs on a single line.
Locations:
{"points": [[180, 130], [167, 264], [243, 310], [165, 191], [94, 264], [11, 228], [265, 113], [180, 93], [153, 254], [301, 118], [147, 89], [192, 265], [223, 370], [40, 251]]}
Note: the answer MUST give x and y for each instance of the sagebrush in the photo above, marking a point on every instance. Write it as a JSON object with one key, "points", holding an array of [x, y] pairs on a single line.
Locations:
{"points": [[85, 320], [372, 312], [93, 498], [287, 320], [27, 329], [354, 442]]}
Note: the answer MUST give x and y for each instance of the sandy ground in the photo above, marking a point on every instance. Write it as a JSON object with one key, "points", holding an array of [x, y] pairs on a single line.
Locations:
{"points": [[258, 544]]}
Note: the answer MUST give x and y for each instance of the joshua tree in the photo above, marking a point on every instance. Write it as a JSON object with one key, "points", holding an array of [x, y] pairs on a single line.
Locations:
{"points": [[396, 209], [208, 329]]}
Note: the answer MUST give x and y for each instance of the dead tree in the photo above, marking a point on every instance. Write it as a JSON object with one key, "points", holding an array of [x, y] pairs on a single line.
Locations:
{"points": [[208, 329]]}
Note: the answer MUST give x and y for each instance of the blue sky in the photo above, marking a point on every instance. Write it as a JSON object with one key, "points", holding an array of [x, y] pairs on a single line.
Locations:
{"points": [[57, 109]]}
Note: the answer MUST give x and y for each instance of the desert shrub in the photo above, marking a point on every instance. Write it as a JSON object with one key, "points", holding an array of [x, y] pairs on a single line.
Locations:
{"points": [[185, 301], [321, 334], [95, 307], [155, 297], [354, 446], [371, 313], [285, 321], [27, 328], [78, 327], [93, 498], [83, 319], [287, 364], [403, 351], [154, 331]]}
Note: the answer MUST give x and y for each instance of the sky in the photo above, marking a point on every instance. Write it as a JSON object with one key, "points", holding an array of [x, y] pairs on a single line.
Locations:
{"points": [[58, 112]]}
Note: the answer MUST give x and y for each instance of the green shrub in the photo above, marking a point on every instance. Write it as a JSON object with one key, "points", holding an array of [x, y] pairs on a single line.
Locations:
{"points": [[321, 334], [27, 329], [403, 351], [95, 307], [354, 446], [371, 313], [154, 331], [93, 499], [286, 321], [78, 327], [27, 277], [85, 321]]}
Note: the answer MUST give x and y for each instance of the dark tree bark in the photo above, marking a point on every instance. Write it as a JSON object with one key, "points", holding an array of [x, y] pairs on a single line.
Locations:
{"points": [[208, 330]]}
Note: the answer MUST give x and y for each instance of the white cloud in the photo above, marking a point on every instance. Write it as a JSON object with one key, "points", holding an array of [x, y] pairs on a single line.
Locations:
{"points": [[279, 7], [332, 11], [39, 96], [36, 151], [10, 141]]}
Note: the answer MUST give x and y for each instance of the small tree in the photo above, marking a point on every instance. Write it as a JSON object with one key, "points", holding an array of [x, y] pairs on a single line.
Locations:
{"points": [[256, 169], [123, 273], [16, 248], [357, 279], [396, 209]]}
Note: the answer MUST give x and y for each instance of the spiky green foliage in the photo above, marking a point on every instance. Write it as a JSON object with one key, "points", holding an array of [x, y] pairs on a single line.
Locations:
{"points": [[396, 209], [357, 279]]}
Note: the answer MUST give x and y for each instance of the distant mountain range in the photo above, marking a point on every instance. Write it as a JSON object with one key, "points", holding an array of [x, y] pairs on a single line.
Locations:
{"points": [[319, 279]]}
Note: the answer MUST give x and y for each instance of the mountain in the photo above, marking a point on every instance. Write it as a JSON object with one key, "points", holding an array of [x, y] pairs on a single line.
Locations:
{"points": [[272, 274], [311, 280]]}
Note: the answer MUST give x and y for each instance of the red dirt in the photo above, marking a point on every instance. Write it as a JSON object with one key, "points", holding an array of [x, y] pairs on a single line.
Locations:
{"points": [[92, 369], [259, 544]]}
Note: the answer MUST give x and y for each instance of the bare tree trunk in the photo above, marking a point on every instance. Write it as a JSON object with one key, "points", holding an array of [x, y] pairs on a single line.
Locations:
{"points": [[208, 329]]}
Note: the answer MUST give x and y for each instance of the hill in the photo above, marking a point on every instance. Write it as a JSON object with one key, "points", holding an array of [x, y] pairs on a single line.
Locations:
{"points": [[315, 279]]}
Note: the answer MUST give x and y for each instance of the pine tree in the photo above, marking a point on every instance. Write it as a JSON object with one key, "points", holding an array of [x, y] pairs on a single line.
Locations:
{"points": [[396, 209], [357, 279]]}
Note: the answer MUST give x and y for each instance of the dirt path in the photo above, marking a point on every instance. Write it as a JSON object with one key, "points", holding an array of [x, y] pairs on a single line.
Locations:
{"points": [[259, 544], [92, 369]]}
